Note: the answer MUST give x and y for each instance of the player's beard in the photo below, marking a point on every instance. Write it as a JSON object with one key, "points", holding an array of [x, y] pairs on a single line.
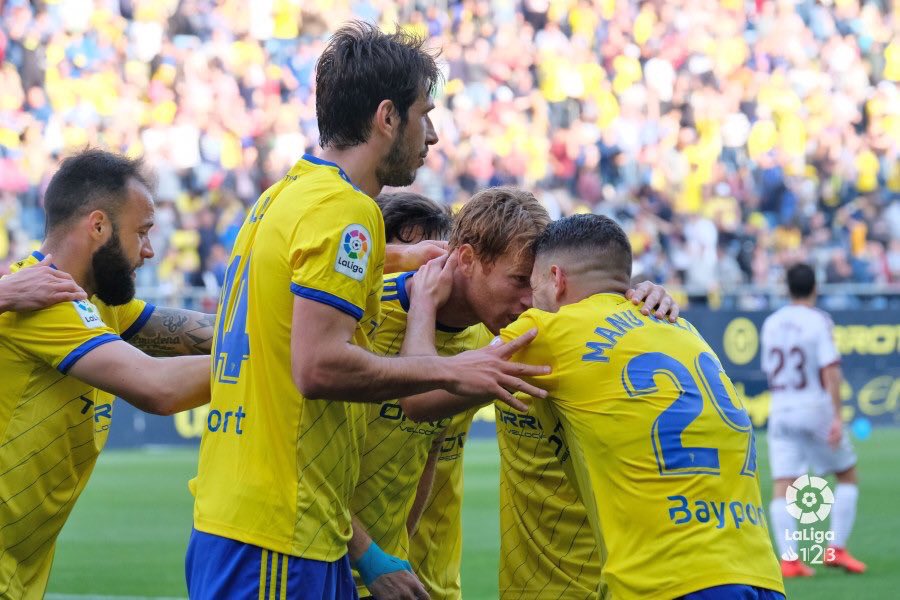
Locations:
{"points": [[112, 273], [398, 169]]}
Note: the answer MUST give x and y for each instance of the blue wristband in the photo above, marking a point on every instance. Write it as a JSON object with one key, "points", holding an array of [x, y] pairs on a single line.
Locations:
{"points": [[375, 562]]}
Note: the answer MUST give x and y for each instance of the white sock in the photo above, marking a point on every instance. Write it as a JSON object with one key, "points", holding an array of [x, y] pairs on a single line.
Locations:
{"points": [[843, 513], [782, 521]]}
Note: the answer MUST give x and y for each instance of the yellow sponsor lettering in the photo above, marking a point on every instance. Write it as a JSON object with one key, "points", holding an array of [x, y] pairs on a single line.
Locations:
{"points": [[879, 396], [757, 406], [191, 423], [867, 339]]}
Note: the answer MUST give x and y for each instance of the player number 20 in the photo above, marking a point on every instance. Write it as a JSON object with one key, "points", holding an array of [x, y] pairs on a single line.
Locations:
{"points": [[672, 456]]}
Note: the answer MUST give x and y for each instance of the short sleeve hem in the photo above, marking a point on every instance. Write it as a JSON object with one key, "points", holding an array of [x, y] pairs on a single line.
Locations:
{"points": [[327, 299], [139, 322], [78, 353]]}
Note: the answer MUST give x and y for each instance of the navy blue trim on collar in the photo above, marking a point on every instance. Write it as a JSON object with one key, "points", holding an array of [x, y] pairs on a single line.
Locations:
{"points": [[404, 302], [41, 257], [327, 163]]}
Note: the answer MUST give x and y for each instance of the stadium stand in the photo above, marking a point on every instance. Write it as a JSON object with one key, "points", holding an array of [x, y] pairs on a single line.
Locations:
{"points": [[728, 138]]}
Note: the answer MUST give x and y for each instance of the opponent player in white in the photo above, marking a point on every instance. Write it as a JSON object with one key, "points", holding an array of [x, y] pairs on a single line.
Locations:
{"points": [[805, 427]]}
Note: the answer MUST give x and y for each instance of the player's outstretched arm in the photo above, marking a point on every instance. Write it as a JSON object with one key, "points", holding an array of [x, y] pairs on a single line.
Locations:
{"points": [[423, 489], [160, 386], [409, 257], [832, 378], [431, 406], [325, 364], [175, 332], [430, 289], [385, 576], [656, 300], [38, 287]]}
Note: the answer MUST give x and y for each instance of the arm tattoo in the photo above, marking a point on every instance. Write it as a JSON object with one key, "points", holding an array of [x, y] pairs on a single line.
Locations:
{"points": [[175, 332]]}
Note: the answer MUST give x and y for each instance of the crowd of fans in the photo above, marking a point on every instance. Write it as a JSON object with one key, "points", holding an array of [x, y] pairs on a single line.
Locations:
{"points": [[728, 137]]}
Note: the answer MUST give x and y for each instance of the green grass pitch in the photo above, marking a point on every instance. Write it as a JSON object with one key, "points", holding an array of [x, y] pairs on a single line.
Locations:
{"points": [[127, 535]]}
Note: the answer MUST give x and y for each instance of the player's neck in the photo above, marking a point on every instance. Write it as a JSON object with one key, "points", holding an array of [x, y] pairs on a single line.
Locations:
{"points": [[68, 258], [360, 166], [577, 291], [807, 302]]}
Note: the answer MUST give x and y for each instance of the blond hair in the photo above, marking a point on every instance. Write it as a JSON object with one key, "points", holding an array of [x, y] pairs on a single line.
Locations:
{"points": [[497, 220]]}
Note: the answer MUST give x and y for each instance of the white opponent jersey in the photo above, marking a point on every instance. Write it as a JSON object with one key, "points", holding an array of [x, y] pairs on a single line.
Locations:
{"points": [[797, 343]]}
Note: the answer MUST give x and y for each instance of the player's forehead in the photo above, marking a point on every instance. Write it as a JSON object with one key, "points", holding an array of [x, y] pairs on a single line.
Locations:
{"points": [[515, 261], [139, 208], [424, 102]]}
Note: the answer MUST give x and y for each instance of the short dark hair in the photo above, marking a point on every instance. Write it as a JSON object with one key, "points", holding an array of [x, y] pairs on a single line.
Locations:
{"points": [[404, 212], [360, 68], [91, 180], [801, 280], [593, 235]]}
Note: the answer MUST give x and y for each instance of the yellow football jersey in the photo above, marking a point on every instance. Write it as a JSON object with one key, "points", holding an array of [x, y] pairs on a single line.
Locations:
{"points": [[547, 548], [396, 448], [53, 426], [435, 550], [661, 445], [276, 469]]}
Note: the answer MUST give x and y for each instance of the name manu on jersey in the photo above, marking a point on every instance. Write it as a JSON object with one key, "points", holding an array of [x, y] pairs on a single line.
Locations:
{"points": [[620, 324]]}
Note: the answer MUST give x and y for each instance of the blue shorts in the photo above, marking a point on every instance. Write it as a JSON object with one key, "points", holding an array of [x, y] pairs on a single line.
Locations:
{"points": [[734, 592], [217, 567]]}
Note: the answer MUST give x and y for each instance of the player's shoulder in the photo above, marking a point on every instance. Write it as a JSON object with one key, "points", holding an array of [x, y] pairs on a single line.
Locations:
{"points": [[394, 289], [531, 318], [823, 316], [50, 324], [314, 184]]}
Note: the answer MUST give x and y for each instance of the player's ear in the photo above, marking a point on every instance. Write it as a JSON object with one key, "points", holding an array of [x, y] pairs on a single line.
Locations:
{"points": [[560, 281], [99, 225], [467, 259], [387, 119]]}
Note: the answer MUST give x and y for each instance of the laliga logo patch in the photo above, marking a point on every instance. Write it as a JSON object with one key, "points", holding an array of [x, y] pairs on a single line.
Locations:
{"points": [[353, 253], [809, 499], [89, 314]]}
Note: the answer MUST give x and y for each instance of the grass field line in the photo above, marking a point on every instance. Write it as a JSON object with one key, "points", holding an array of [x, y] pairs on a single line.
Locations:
{"points": [[95, 597]]}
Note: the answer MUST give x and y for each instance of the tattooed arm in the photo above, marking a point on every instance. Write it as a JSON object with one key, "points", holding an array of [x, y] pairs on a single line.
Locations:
{"points": [[175, 332]]}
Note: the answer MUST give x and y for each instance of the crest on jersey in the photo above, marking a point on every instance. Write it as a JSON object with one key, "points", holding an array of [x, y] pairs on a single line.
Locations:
{"points": [[89, 314], [353, 252]]}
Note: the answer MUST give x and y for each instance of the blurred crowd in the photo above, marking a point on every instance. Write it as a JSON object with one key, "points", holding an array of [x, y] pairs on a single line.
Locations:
{"points": [[728, 137]]}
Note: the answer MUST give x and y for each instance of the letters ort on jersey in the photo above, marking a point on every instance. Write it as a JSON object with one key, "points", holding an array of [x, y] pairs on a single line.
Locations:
{"points": [[353, 253]]}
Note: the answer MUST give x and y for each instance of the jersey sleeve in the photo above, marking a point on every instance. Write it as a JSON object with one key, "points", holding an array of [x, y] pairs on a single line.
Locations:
{"points": [[62, 334], [132, 317], [337, 258], [538, 352], [826, 351]]}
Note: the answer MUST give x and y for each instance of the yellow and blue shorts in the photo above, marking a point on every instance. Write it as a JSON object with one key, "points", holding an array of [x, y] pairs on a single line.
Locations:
{"points": [[217, 567]]}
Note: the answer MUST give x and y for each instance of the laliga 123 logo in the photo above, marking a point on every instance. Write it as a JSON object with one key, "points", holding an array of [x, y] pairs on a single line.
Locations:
{"points": [[809, 499]]}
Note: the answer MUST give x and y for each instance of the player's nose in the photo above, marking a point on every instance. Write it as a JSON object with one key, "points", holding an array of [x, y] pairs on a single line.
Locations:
{"points": [[526, 301], [147, 251]]}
